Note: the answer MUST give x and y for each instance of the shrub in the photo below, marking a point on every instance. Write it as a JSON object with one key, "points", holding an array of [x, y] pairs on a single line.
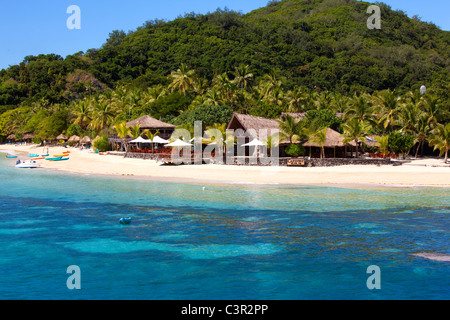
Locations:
{"points": [[400, 143], [102, 143], [36, 141], [295, 150]]}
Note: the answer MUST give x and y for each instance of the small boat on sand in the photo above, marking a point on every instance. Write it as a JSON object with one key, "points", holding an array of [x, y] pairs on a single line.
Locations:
{"points": [[27, 164], [10, 156]]}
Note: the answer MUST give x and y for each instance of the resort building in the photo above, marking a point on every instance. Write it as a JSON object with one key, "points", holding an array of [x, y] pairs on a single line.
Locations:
{"points": [[153, 125], [146, 122], [252, 127], [260, 128]]}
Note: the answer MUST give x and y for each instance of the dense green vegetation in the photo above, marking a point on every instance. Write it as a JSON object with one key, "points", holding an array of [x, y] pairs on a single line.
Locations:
{"points": [[313, 56]]}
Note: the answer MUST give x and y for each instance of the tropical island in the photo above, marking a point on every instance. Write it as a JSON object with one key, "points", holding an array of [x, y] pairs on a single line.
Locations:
{"points": [[308, 67]]}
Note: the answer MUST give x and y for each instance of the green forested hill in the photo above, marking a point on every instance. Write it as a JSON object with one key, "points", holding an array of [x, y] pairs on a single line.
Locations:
{"points": [[319, 44], [291, 55]]}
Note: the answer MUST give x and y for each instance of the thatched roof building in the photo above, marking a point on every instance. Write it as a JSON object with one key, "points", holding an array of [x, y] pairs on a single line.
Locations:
{"points": [[11, 137], [147, 122], [252, 126], [28, 136], [332, 139]]}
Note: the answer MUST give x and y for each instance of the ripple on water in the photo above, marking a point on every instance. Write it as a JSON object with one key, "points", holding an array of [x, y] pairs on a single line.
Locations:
{"points": [[210, 251]]}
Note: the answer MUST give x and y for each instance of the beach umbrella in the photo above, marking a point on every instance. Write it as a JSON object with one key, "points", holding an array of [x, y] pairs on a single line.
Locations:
{"points": [[178, 143], [253, 143], [158, 139], [74, 138], [61, 137], [141, 140], [86, 139]]}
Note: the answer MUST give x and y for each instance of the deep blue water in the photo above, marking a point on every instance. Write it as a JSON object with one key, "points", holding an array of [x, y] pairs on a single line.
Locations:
{"points": [[226, 242]]}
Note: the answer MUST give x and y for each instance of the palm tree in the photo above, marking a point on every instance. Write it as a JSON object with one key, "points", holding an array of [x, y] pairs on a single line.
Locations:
{"points": [[275, 97], [421, 131], [355, 130], [323, 101], [182, 79], [226, 88], [120, 98], [319, 137], [435, 110], [408, 117], [214, 137], [200, 86], [291, 129], [360, 108], [296, 100], [83, 113], [103, 115], [383, 144], [148, 133], [17, 122], [387, 105], [213, 97], [122, 132], [217, 129], [152, 94], [272, 81], [135, 131], [339, 103], [134, 99], [242, 76], [440, 139]]}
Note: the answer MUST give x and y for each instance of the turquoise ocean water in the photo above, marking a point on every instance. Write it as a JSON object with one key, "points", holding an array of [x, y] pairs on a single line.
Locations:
{"points": [[265, 242]]}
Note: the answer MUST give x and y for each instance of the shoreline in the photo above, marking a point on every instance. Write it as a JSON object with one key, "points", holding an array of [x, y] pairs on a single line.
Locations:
{"points": [[420, 173]]}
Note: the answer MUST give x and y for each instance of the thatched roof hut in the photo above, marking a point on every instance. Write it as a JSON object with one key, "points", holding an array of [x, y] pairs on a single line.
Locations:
{"points": [[147, 122], [28, 136], [74, 138], [61, 137], [332, 139], [11, 137], [85, 140], [252, 125]]}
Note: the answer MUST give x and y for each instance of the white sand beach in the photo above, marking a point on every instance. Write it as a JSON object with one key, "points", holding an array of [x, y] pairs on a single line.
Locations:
{"points": [[423, 172]]}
